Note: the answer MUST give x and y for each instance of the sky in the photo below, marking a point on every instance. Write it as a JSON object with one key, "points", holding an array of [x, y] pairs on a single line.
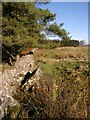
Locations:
{"points": [[74, 15]]}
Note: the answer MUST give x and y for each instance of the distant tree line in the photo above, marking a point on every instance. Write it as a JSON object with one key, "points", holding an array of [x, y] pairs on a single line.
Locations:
{"points": [[73, 43]]}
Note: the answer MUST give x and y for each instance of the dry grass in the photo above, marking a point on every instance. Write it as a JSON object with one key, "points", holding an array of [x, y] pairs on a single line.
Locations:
{"points": [[63, 53], [63, 91], [51, 56]]}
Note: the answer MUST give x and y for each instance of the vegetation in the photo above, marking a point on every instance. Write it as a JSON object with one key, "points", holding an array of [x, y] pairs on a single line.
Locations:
{"points": [[58, 30], [27, 25], [23, 24], [63, 91], [69, 43], [62, 53]]}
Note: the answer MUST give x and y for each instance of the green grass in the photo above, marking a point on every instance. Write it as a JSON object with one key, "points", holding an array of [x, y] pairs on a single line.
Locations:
{"points": [[72, 83], [4, 66]]}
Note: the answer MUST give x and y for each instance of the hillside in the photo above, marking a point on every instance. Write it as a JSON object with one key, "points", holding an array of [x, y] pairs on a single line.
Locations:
{"points": [[63, 87], [70, 69]]}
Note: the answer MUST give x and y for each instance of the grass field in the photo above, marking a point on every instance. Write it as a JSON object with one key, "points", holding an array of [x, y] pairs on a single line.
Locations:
{"points": [[65, 73], [70, 69], [63, 53]]}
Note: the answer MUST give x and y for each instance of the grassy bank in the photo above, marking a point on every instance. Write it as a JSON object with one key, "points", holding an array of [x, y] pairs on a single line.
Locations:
{"points": [[64, 85], [69, 67]]}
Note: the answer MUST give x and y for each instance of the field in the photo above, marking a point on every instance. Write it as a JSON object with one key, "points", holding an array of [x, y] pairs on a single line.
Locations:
{"points": [[69, 67], [65, 75]]}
